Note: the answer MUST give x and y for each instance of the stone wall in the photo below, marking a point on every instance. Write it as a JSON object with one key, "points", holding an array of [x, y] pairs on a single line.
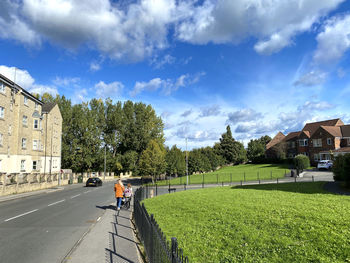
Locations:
{"points": [[21, 183]]}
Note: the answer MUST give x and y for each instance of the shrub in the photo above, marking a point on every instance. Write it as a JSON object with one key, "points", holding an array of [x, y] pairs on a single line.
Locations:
{"points": [[341, 168], [301, 162]]}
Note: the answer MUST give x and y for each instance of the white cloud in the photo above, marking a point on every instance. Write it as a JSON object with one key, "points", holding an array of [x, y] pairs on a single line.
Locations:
{"points": [[112, 89], [315, 106], [26, 81], [271, 22], [312, 78], [160, 63], [334, 40], [207, 111], [243, 115], [167, 86], [66, 81], [94, 66], [186, 113]]}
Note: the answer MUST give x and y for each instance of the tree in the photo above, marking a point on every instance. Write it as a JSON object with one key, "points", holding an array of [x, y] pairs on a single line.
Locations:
{"points": [[301, 162], [341, 168], [231, 150], [152, 161], [256, 149], [176, 163]]}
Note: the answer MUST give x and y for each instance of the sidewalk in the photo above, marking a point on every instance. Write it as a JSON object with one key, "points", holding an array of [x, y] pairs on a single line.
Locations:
{"points": [[110, 240]]}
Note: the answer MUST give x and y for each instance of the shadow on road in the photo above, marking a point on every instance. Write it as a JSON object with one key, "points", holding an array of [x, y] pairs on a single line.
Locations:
{"points": [[111, 207]]}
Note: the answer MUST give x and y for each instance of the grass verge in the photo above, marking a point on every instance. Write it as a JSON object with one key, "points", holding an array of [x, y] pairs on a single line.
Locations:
{"points": [[297, 222]]}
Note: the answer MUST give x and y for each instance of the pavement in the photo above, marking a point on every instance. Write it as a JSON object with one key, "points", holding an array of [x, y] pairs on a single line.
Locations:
{"points": [[110, 240]]}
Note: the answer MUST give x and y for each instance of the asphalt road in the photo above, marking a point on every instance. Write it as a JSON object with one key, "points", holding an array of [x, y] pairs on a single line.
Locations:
{"points": [[44, 228]]}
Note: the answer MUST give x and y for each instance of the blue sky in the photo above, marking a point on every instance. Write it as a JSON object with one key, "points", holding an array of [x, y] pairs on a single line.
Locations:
{"points": [[259, 66]]}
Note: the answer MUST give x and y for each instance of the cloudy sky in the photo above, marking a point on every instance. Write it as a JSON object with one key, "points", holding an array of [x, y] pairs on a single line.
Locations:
{"points": [[261, 66]]}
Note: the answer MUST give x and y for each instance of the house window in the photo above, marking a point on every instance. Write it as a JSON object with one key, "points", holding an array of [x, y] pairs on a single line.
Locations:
{"points": [[35, 145], [24, 143], [10, 129], [349, 141], [36, 105], [23, 165], [317, 142], [1, 139], [305, 153], [303, 142], [2, 112], [316, 157], [25, 120], [25, 100], [36, 124], [329, 141], [2, 88]]}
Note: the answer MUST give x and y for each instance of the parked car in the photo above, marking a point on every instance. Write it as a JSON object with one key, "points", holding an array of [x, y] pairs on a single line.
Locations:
{"points": [[94, 181], [325, 164]]}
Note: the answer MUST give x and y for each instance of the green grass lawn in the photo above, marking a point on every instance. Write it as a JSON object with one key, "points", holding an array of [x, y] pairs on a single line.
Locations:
{"points": [[242, 172], [295, 222]]}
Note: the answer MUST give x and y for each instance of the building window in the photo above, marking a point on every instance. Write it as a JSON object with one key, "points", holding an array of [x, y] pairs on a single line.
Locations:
{"points": [[36, 105], [24, 143], [303, 142], [36, 124], [25, 120], [35, 145], [36, 165], [2, 87], [329, 141], [1, 139], [305, 153], [317, 142], [316, 157], [23, 165], [2, 112], [25, 100]]}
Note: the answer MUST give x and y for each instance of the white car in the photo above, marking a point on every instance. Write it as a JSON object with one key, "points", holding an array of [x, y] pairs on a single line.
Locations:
{"points": [[325, 164]]}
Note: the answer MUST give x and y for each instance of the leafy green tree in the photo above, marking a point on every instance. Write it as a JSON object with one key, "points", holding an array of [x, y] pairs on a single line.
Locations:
{"points": [[176, 163], [152, 160], [231, 150], [256, 149], [214, 159], [341, 168], [301, 162]]}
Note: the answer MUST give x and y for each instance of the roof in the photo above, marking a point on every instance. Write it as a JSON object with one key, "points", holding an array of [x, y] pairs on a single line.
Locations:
{"points": [[47, 107], [345, 130], [13, 85], [333, 130], [277, 139], [292, 135], [313, 126]]}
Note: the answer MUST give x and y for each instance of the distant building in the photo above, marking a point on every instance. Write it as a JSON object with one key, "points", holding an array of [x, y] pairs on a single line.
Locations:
{"points": [[317, 140], [30, 132]]}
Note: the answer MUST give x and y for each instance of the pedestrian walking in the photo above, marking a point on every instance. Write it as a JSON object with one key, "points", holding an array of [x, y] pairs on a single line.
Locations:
{"points": [[119, 191]]}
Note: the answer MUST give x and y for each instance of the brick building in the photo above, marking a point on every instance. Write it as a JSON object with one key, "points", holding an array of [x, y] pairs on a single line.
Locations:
{"points": [[30, 132], [317, 140]]}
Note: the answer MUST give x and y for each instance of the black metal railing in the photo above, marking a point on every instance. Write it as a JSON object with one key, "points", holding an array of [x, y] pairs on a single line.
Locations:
{"points": [[157, 248]]}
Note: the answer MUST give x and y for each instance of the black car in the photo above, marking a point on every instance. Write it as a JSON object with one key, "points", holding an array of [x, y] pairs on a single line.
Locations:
{"points": [[94, 182]]}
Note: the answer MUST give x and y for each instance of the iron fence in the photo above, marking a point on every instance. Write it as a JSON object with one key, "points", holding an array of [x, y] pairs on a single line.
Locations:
{"points": [[157, 248]]}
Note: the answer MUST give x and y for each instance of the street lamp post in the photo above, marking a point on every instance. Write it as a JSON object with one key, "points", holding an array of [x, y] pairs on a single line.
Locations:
{"points": [[104, 175], [186, 163]]}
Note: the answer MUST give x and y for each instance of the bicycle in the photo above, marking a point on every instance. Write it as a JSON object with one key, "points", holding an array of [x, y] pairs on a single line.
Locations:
{"points": [[126, 202]]}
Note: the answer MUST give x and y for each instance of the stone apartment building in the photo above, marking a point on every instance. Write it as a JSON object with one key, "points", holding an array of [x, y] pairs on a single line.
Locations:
{"points": [[30, 132], [317, 140]]}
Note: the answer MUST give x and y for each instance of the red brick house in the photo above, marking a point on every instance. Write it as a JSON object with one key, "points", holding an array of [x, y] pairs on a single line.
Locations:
{"points": [[317, 140]]}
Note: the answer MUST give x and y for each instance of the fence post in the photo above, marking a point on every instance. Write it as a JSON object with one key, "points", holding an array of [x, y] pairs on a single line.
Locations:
{"points": [[217, 178], [156, 189], [258, 176], [185, 186], [277, 180], [173, 250], [295, 179], [241, 183], [230, 178], [313, 179], [222, 183], [244, 176], [169, 188], [203, 181]]}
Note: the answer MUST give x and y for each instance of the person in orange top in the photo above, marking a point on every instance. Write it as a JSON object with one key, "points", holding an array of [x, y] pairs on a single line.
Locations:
{"points": [[119, 190]]}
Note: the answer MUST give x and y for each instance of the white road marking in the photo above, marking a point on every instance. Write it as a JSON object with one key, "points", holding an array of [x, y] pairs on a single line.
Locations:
{"points": [[21, 215], [87, 191], [57, 202], [74, 196], [98, 219]]}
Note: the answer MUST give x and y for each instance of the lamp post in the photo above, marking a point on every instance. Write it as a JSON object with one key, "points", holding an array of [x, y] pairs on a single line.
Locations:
{"points": [[186, 163]]}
